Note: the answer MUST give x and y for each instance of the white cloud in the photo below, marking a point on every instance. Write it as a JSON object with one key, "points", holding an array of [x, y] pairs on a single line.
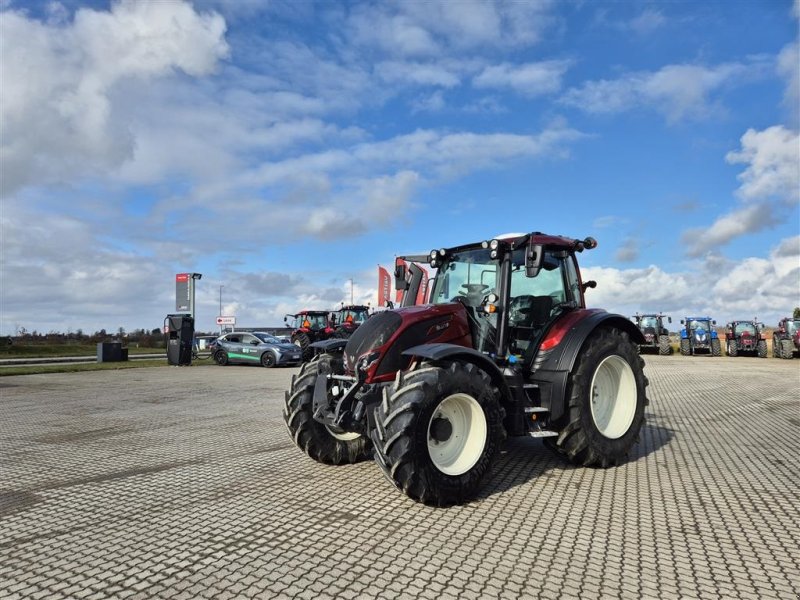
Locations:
{"points": [[677, 91], [772, 157], [749, 219], [788, 66], [529, 79], [58, 115], [431, 74], [726, 290]]}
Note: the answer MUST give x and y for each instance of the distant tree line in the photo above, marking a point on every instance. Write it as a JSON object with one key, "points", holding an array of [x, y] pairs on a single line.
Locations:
{"points": [[147, 338]]}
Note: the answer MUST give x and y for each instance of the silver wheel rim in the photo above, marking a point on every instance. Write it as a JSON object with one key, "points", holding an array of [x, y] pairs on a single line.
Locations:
{"points": [[613, 397], [343, 436], [464, 446]]}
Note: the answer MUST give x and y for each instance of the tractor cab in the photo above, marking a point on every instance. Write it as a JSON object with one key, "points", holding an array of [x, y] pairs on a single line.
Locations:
{"points": [[745, 337], [347, 319], [309, 326], [699, 336]]}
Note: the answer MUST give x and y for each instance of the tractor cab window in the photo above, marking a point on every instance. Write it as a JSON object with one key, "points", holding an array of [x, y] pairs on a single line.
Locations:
{"points": [[469, 277], [533, 301], [353, 316], [695, 324], [310, 322], [792, 327], [649, 323], [742, 328]]}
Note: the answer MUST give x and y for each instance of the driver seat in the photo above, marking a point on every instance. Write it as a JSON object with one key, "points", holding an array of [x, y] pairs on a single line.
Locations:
{"points": [[527, 317]]}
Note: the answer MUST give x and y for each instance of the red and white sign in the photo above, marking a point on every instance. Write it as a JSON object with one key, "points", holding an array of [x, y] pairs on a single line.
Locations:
{"points": [[384, 286], [226, 320]]}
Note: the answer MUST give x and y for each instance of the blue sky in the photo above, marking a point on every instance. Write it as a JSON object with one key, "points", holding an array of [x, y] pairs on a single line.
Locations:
{"points": [[282, 148]]}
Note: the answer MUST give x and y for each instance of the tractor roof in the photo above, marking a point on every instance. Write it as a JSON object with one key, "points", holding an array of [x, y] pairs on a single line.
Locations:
{"points": [[515, 240], [698, 319], [352, 307], [312, 313]]}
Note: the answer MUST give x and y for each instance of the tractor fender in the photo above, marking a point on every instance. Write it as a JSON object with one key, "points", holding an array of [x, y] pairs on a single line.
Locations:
{"points": [[443, 351], [330, 345], [553, 365]]}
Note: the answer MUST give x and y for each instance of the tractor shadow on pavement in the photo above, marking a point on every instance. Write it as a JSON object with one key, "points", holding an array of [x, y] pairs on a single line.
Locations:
{"points": [[526, 459]]}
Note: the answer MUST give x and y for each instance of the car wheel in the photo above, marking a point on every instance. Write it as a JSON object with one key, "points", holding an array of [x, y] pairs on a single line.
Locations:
{"points": [[268, 359], [221, 358]]}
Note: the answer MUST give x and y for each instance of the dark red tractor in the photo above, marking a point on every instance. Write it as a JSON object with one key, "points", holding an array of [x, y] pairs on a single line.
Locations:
{"points": [[745, 337], [309, 326], [347, 319], [506, 346], [786, 338]]}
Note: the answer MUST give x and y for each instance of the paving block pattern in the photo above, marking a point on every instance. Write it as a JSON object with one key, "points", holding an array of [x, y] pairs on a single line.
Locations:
{"points": [[183, 483]]}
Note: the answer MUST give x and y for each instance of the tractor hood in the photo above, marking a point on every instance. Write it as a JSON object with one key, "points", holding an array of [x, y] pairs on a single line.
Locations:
{"points": [[376, 346]]}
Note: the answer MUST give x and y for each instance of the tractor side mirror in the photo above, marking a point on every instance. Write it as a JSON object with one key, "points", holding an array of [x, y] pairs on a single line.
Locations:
{"points": [[670, 319], [534, 257], [682, 323], [285, 319], [400, 282], [389, 304], [713, 322], [589, 284], [333, 319]]}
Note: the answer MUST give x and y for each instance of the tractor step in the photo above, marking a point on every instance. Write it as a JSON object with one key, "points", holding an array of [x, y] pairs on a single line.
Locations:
{"points": [[542, 433], [529, 410]]}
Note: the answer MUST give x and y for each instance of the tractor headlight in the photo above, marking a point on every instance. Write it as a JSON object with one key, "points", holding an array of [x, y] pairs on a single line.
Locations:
{"points": [[494, 244]]}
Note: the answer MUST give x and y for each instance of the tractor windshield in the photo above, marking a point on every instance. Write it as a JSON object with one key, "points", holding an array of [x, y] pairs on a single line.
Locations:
{"points": [[792, 327], [695, 324], [745, 327], [353, 316], [310, 321], [467, 276], [648, 323]]}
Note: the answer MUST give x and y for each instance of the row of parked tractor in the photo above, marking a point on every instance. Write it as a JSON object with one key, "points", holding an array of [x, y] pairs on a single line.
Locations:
{"points": [[699, 336], [310, 326]]}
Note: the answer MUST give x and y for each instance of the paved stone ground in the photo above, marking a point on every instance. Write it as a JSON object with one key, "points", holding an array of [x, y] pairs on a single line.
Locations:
{"points": [[183, 483]]}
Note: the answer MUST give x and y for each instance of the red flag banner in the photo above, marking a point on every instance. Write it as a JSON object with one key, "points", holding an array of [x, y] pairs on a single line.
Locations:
{"points": [[384, 286]]}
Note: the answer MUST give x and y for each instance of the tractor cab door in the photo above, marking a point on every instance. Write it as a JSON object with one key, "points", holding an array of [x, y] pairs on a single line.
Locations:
{"points": [[536, 302]]}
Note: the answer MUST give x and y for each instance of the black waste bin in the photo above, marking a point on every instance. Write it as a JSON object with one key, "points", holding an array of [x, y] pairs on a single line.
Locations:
{"points": [[180, 336], [110, 352]]}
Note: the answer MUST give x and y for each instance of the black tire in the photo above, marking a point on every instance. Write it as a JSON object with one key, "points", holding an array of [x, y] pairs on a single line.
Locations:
{"points": [[664, 347], [221, 358], [312, 437], [301, 340], [686, 348], [405, 431], [580, 439], [268, 359], [776, 348], [732, 349], [761, 349], [787, 349], [716, 347]]}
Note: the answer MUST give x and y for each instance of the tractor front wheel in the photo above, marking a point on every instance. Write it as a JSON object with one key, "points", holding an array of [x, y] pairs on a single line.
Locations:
{"points": [[716, 347], [664, 347], [302, 341], [686, 349], [606, 399], [761, 349], [732, 349], [787, 349], [776, 345], [438, 431], [322, 443]]}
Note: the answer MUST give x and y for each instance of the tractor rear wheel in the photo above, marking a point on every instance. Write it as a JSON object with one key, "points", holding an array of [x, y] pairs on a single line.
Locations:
{"points": [[732, 348], [302, 341], [716, 347], [761, 349], [437, 432], [606, 399], [664, 347], [787, 349], [320, 442], [686, 349]]}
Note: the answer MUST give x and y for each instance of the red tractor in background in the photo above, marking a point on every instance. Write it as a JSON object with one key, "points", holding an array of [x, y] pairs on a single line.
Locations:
{"points": [[786, 338], [347, 319], [506, 346], [309, 326], [745, 337]]}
